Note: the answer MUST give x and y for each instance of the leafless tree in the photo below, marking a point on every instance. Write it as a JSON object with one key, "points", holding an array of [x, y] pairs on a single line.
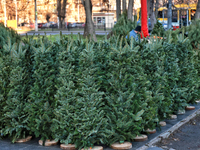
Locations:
{"points": [[197, 13], [89, 25], [61, 8], [151, 13], [169, 14], [48, 16], [118, 8], [123, 5], [130, 9]]}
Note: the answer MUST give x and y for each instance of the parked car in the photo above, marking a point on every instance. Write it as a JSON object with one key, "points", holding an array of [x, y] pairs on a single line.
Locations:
{"points": [[79, 24], [23, 24], [74, 25], [40, 25], [69, 25], [46, 25], [53, 26], [32, 25], [83, 25]]}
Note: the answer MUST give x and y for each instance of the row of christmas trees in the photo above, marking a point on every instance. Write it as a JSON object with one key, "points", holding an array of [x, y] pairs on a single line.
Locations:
{"points": [[86, 93]]}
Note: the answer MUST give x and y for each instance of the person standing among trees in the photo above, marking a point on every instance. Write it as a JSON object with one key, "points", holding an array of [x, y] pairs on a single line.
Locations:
{"points": [[134, 33]]}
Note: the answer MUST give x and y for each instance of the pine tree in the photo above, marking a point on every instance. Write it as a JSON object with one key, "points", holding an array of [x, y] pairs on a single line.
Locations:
{"points": [[173, 74], [6, 32], [16, 116], [189, 78], [153, 55], [158, 29], [129, 103], [5, 70], [42, 102], [83, 123]]}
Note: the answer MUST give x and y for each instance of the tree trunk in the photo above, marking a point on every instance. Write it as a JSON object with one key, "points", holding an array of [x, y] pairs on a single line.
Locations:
{"points": [[197, 14], [63, 13], [59, 12], [151, 14], [118, 10], [123, 5], [60, 24], [156, 8], [36, 22], [130, 9], [89, 30], [169, 14], [61, 8]]}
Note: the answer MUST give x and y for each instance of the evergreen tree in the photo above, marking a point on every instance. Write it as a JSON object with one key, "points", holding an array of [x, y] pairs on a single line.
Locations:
{"points": [[173, 74], [158, 29], [123, 26], [83, 123], [16, 116], [6, 61], [189, 78], [129, 103], [153, 55], [6, 32], [42, 102]]}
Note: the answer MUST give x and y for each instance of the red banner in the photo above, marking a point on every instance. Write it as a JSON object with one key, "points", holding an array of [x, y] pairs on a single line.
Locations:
{"points": [[144, 15]]}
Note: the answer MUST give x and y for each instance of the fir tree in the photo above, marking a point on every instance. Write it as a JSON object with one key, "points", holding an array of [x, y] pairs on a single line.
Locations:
{"points": [[189, 78], [16, 116], [130, 106], [83, 123], [153, 55], [6, 60], [42, 101]]}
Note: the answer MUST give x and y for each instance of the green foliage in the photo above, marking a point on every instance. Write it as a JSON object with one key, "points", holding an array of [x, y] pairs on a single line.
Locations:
{"points": [[193, 34], [158, 29], [153, 56], [124, 25], [16, 114], [42, 101], [6, 32], [6, 65], [86, 93], [130, 106]]}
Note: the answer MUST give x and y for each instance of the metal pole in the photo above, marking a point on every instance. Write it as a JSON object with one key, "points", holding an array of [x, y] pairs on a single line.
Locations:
{"points": [[169, 14], [163, 12], [5, 20], [187, 17], [36, 24]]}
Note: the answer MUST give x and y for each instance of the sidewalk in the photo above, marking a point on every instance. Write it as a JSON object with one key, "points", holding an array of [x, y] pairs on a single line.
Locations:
{"points": [[58, 32], [172, 125]]}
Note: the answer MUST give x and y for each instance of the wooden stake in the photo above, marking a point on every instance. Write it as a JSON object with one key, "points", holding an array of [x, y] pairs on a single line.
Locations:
{"points": [[118, 146], [48, 142], [68, 147], [28, 138], [140, 138]]}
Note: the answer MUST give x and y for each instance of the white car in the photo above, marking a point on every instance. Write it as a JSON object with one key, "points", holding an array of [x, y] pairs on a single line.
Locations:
{"points": [[46, 25]]}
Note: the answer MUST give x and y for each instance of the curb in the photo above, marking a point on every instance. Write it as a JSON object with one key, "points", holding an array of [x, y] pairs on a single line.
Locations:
{"points": [[167, 133]]}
